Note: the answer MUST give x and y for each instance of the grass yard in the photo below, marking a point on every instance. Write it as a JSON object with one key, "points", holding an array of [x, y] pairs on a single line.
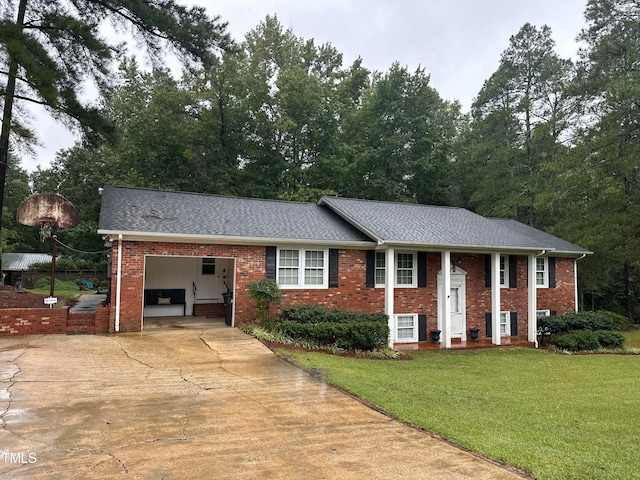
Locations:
{"points": [[632, 339], [552, 416]]}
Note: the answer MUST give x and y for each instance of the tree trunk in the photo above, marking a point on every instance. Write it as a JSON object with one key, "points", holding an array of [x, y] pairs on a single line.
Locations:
{"points": [[629, 291], [6, 119]]}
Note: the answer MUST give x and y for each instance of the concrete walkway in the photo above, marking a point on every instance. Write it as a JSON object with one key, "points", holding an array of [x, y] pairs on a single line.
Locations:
{"points": [[196, 401], [88, 303]]}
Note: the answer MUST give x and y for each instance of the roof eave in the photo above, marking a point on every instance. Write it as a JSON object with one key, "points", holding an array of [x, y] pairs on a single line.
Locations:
{"points": [[484, 248], [231, 240], [346, 217]]}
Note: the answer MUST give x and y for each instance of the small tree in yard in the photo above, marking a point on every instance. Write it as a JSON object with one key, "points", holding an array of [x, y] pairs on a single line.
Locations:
{"points": [[263, 293]]}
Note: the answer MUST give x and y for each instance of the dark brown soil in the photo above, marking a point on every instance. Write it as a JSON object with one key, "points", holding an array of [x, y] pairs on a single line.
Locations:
{"points": [[12, 298]]}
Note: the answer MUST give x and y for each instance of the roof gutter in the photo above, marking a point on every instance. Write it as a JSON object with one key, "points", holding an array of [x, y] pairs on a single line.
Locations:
{"points": [[232, 240]]}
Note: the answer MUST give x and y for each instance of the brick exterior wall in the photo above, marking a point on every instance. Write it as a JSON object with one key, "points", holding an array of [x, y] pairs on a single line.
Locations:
{"points": [[210, 310], [34, 321], [351, 293]]}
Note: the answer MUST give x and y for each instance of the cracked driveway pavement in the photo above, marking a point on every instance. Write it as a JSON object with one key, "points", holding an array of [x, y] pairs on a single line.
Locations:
{"points": [[196, 401]]}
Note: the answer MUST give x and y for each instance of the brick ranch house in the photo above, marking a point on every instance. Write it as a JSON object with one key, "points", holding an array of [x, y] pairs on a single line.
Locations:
{"points": [[426, 267]]}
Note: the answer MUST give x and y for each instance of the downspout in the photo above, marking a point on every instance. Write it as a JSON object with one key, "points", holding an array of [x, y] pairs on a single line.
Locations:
{"points": [[575, 279], [118, 283]]}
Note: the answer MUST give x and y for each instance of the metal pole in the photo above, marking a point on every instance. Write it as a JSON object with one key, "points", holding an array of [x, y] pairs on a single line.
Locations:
{"points": [[54, 237]]}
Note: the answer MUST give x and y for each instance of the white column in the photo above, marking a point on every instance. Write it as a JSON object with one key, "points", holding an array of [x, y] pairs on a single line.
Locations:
{"points": [[118, 284], [446, 298], [575, 282], [533, 299], [389, 290], [495, 298]]}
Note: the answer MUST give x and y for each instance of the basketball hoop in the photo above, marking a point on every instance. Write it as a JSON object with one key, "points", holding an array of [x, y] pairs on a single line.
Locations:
{"points": [[46, 228], [49, 212]]}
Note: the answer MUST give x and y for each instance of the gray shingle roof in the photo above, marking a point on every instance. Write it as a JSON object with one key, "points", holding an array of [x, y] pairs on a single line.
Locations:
{"points": [[135, 210], [413, 224], [18, 262], [333, 220], [541, 237]]}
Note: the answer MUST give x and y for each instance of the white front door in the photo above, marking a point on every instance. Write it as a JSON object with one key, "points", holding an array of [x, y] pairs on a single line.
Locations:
{"points": [[457, 318], [457, 302], [207, 285]]}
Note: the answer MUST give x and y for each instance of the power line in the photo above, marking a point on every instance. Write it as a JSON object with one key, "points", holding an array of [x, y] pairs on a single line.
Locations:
{"points": [[78, 251]]}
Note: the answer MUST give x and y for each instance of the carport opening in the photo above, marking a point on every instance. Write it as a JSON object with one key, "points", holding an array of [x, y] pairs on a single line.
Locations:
{"points": [[188, 288]]}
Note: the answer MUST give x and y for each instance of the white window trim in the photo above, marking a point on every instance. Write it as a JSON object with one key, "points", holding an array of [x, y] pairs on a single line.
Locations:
{"points": [[545, 280], [505, 259], [376, 268], [507, 329], [414, 268], [543, 313], [414, 338], [301, 269]]}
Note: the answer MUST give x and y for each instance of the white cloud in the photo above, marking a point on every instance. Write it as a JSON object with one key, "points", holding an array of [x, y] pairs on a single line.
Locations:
{"points": [[458, 42]]}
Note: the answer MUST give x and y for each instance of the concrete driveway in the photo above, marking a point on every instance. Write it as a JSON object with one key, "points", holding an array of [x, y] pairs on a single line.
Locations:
{"points": [[191, 401]]}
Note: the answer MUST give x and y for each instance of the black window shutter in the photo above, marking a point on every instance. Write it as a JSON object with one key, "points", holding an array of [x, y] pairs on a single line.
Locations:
{"points": [[422, 269], [552, 313], [333, 268], [270, 263], [552, 272], [487, 321], [487, 271], [514, 323], [513, 271], [422, 328], [370, 269]]}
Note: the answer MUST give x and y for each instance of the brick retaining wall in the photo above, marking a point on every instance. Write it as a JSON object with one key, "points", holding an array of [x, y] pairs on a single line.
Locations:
{"points": [[34, 321]]}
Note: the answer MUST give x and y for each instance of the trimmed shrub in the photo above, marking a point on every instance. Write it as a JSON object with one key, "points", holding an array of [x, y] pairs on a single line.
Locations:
{"points": [[577, 341], [585, 340], [593, 321], [609, 339], [314, 314], [349, 335]]}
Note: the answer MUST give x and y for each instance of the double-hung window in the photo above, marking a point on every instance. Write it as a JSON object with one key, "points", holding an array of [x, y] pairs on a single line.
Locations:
{"points": [[381, 272], [542, 272], [405, 269], [302, 268], [504, 272], [505, 324], [406, 328]]}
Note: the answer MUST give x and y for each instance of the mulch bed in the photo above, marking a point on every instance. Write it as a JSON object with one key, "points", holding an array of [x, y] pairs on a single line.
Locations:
{"points": [[10, 297], [342, 353]]}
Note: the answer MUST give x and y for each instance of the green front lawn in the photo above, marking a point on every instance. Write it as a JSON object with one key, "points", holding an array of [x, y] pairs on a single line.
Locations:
{"points": [[553, 416], [632, 339]]}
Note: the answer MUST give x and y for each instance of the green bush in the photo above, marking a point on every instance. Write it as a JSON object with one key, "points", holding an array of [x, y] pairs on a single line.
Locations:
{"points": [[44, 283], [583, 340], [593, 321], [314, 314], [610, 340], [351, 335], [263, 293], [587, 340]]}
